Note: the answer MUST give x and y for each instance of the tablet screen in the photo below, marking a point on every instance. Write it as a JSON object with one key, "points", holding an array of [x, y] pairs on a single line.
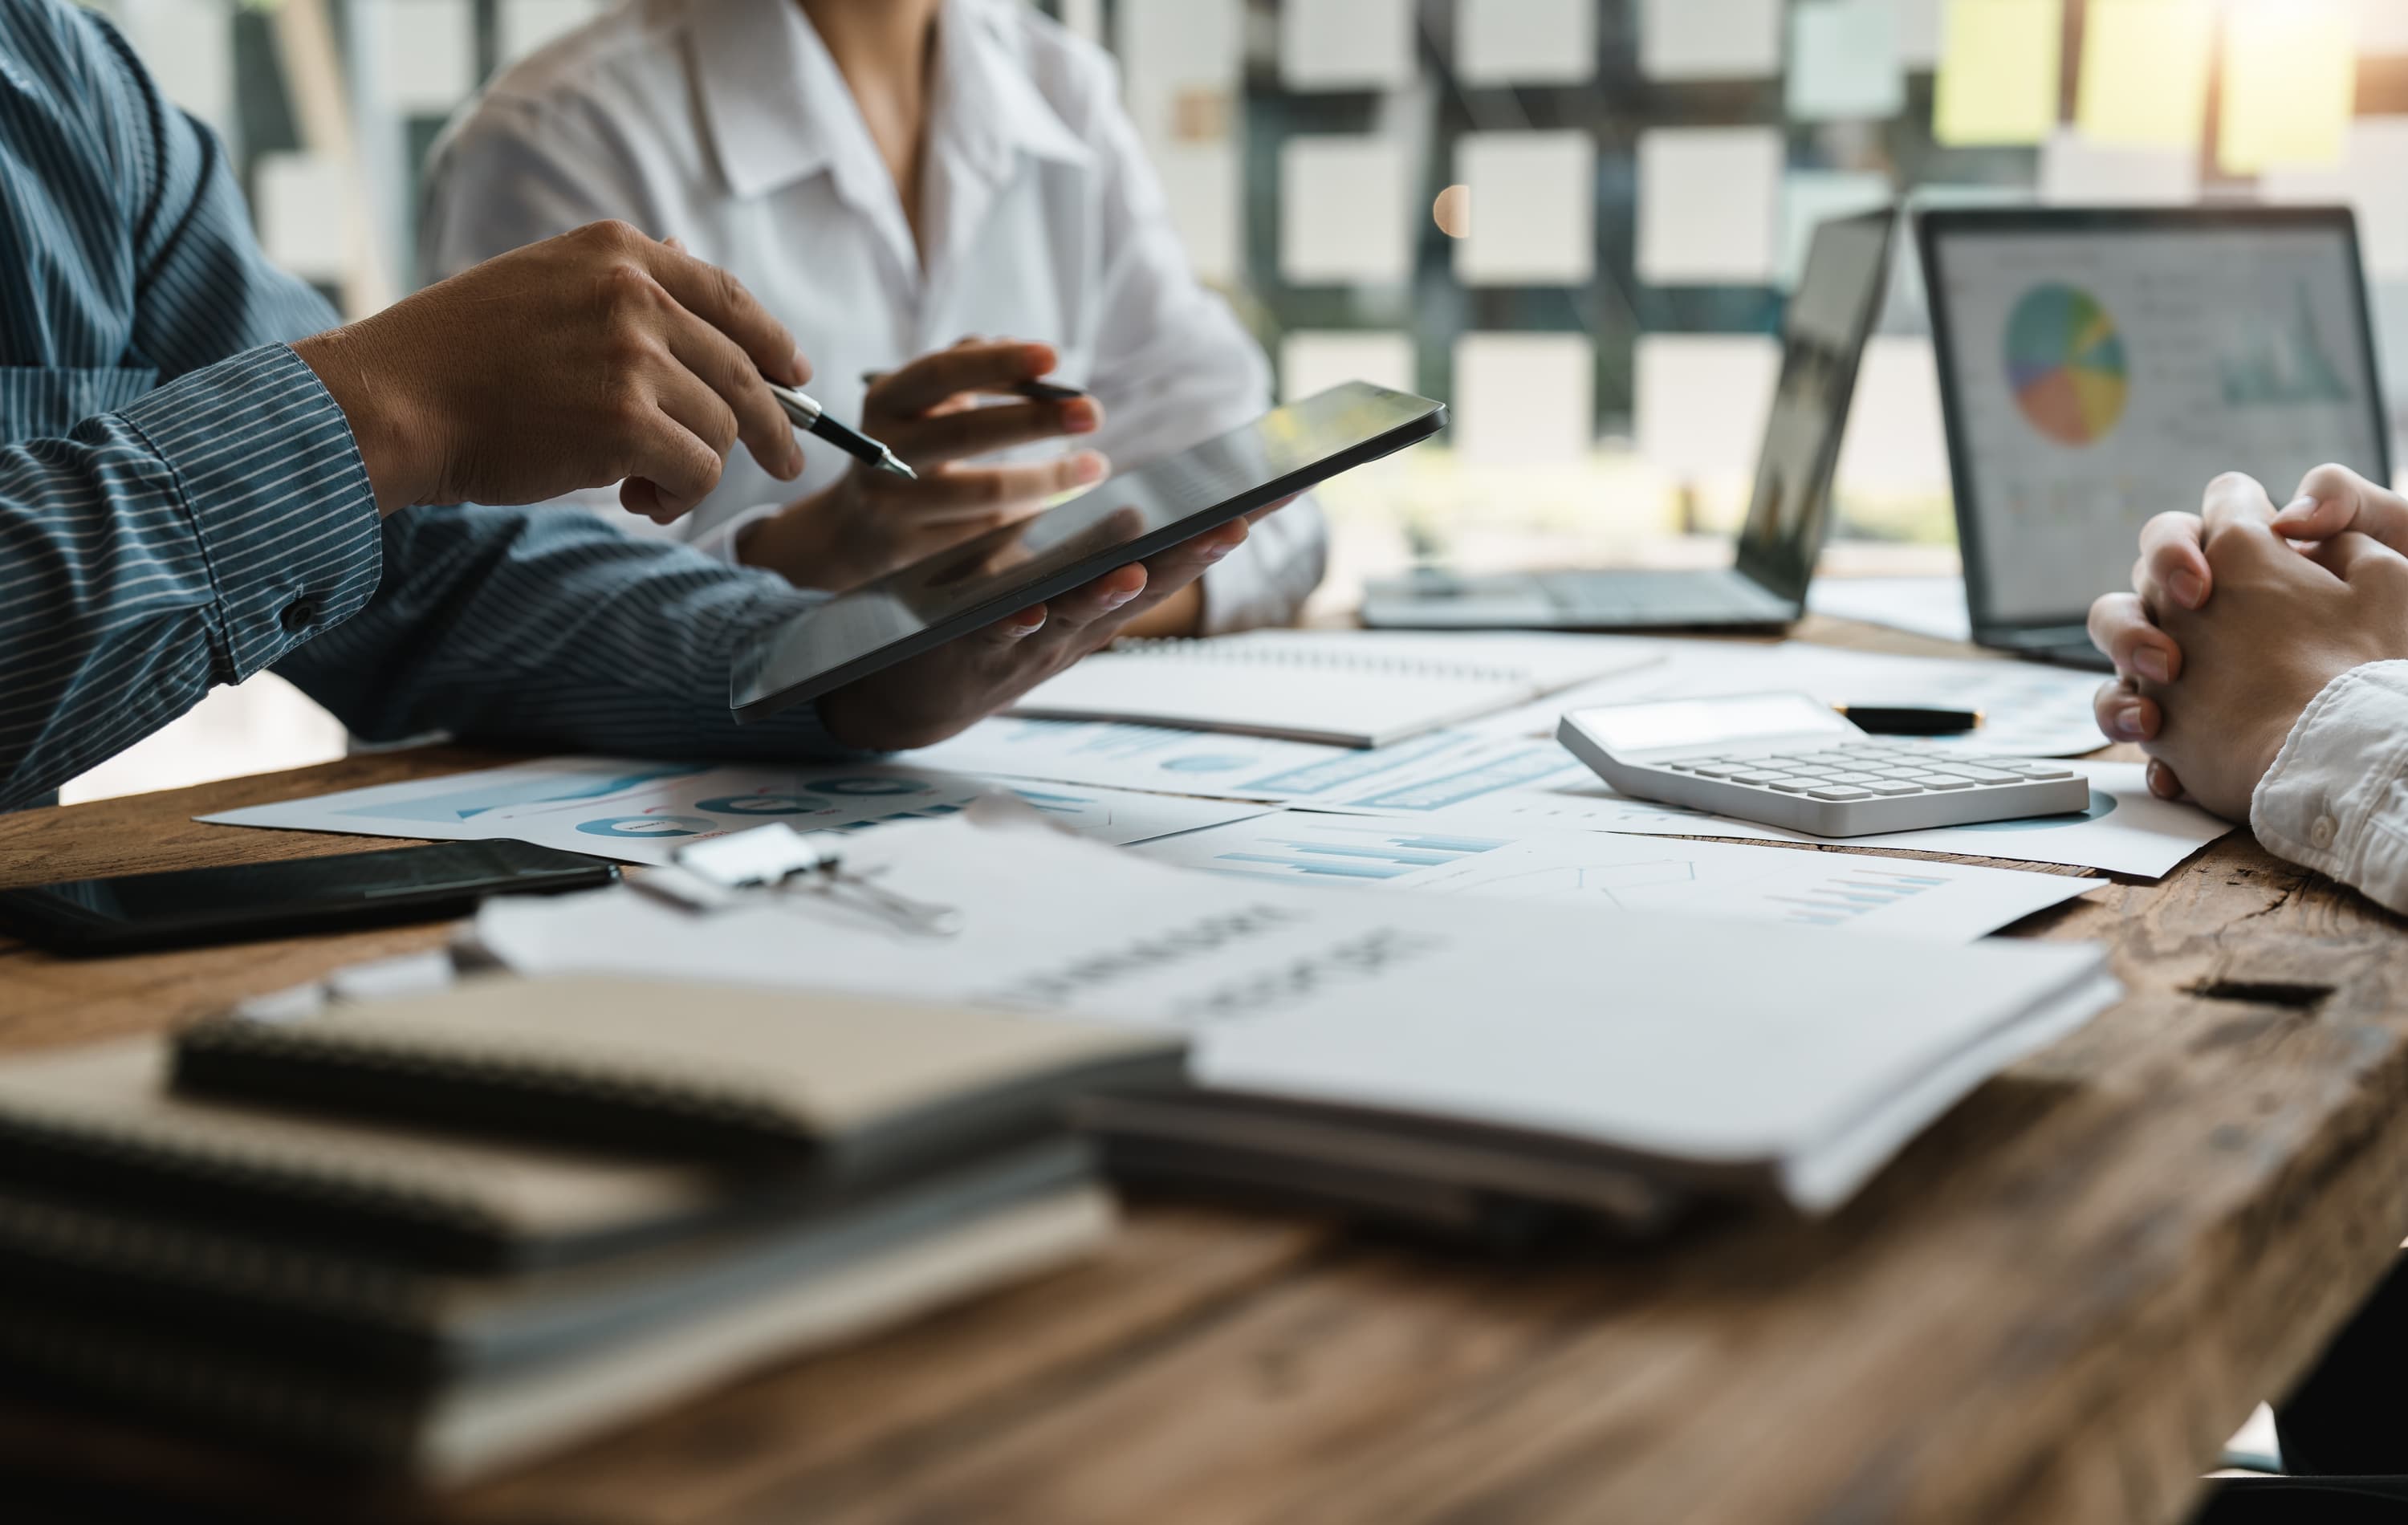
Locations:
{"points": [[1122, 520]]}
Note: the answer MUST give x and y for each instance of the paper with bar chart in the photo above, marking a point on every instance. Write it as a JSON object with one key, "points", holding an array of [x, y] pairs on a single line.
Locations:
{"points": [[1431, 771], [644, 811], [1840, 891]]}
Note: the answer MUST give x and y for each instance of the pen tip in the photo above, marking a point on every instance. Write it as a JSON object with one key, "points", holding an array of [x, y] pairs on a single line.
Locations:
{"points": [[891, 462]]}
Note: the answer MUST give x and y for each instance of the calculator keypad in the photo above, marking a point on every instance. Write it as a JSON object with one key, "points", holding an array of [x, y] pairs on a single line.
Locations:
{"points": [[1866, 771]]}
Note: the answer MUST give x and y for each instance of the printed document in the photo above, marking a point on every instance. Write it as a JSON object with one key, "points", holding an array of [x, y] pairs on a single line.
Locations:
{"points": [[1687, 1038], [643, 812], [1600, 871]]}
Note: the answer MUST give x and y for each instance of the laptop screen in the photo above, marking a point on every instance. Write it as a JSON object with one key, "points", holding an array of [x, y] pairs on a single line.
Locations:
{"points": [[2098, 367], [1822, 339]]}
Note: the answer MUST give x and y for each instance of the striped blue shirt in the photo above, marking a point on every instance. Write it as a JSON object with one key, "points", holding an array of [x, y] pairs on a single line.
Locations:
{"points": [[181, 503]]}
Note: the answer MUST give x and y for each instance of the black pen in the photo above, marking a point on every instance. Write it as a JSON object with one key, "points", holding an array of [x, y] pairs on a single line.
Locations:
{"points": [[1911, 719], [810, 417], [1033, 389]]}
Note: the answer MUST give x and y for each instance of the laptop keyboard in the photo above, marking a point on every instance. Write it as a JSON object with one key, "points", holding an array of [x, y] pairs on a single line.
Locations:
{"points": [[1642, 598]]}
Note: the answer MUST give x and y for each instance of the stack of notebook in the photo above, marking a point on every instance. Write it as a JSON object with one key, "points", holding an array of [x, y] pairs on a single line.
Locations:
{"points": [[1358, 688], [339, 1236], [1463, 1063]]}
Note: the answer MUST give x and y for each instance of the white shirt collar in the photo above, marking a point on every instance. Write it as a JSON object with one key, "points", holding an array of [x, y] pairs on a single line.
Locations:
{"points": [[778, 110]]}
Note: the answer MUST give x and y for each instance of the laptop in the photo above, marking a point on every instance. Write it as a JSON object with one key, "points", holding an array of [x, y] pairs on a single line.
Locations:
{"points": [[1830, 319], [2098, 367]]}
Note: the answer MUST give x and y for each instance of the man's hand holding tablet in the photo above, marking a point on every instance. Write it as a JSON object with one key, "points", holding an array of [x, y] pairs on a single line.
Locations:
{"points": [[924, 698], [918, 654]]}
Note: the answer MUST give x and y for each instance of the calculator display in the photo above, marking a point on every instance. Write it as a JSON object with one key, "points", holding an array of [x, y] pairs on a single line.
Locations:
{"points": [[1697, 722]]}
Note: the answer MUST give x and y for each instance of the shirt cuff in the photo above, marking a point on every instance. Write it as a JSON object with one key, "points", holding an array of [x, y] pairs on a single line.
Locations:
{"points": [[720, 541], [2336, 798], [263, 462]]}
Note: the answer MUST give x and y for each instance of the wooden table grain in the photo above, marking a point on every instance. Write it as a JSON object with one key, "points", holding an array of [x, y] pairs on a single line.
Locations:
{"points": [[2053, 1308]]}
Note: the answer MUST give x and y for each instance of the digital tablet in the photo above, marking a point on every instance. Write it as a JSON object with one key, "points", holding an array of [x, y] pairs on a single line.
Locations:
{"points": [[1127, 519]]}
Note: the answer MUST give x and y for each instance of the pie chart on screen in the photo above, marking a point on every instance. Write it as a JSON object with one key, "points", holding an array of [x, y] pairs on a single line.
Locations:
{"points": [[2065, 361]]}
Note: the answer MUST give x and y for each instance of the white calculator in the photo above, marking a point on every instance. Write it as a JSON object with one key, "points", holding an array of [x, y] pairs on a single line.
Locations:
{"points": [[1789, 760]]}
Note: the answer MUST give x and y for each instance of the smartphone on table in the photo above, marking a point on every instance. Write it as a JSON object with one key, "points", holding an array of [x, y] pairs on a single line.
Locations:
{"points": [[247, 902]]}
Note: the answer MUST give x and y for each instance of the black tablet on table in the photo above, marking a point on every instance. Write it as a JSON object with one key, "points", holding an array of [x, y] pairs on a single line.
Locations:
{"points": [[1127, 519]]}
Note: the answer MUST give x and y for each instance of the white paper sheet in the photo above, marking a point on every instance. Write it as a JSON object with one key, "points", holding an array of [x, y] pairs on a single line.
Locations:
{"points": [[1709, 205], [643, 812], [1476, 1011], [1533, 208], [1346, 44], [1345, 212], [1430, 772], [301, 202], [2078, 171], [422, 54], [2372, 178], [1355, 688], [1524, 400], [522, 26], [1701, 401], [2032, 710], [1314, 360], [1525, 42], [1605, 872], [1843, 64], [1925, 606], [2126, 830], [1710, 40]]}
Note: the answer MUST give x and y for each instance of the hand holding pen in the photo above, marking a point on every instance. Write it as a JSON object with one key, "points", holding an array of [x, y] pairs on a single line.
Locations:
{"points": [[936, 413]]}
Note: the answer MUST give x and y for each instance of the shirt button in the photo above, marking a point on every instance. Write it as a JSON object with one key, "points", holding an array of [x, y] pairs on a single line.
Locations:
{"points": [[2322, 832], [299, 615]]}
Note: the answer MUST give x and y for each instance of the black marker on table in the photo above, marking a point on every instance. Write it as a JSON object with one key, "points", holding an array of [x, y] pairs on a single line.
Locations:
{"points": [[1910, 719], [810, 417]]}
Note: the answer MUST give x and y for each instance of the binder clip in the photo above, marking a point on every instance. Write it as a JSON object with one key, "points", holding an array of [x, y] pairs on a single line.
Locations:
{"points": [[724, 872]]}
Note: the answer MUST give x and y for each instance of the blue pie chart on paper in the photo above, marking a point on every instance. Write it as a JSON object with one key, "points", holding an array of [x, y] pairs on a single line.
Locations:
{"points": [[848, 787], [648, 826], [2102, 804], [761, 804]]}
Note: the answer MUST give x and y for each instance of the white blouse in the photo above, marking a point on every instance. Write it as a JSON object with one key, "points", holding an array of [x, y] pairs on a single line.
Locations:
{"points": [[727, 124]]}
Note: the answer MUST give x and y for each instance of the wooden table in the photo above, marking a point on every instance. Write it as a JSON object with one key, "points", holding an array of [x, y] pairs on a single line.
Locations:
{"points": [[2054, 1308]]}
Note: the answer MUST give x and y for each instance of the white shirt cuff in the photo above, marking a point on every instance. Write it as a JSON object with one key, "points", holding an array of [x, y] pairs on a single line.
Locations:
{"points": [[2336, 798]]}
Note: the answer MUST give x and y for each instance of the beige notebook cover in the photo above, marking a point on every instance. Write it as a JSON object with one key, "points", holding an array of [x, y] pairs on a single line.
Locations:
{"points": [[105, 1114], [810, 1069]]}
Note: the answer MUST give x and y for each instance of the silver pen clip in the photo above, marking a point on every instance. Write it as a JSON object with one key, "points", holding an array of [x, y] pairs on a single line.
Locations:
{"points": [[724, 872]]}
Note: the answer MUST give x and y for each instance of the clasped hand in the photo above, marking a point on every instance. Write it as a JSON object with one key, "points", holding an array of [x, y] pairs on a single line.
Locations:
{"points": [[2239, 616]]}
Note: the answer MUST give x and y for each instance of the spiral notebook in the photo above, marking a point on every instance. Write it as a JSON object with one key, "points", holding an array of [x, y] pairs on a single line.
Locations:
{"points": [[1353, 688]]}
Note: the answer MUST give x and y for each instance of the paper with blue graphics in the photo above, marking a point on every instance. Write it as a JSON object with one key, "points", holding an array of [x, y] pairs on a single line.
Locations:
{"points": [[1428, 772], [644, 811], [2126, 829], [1603, 871]]}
